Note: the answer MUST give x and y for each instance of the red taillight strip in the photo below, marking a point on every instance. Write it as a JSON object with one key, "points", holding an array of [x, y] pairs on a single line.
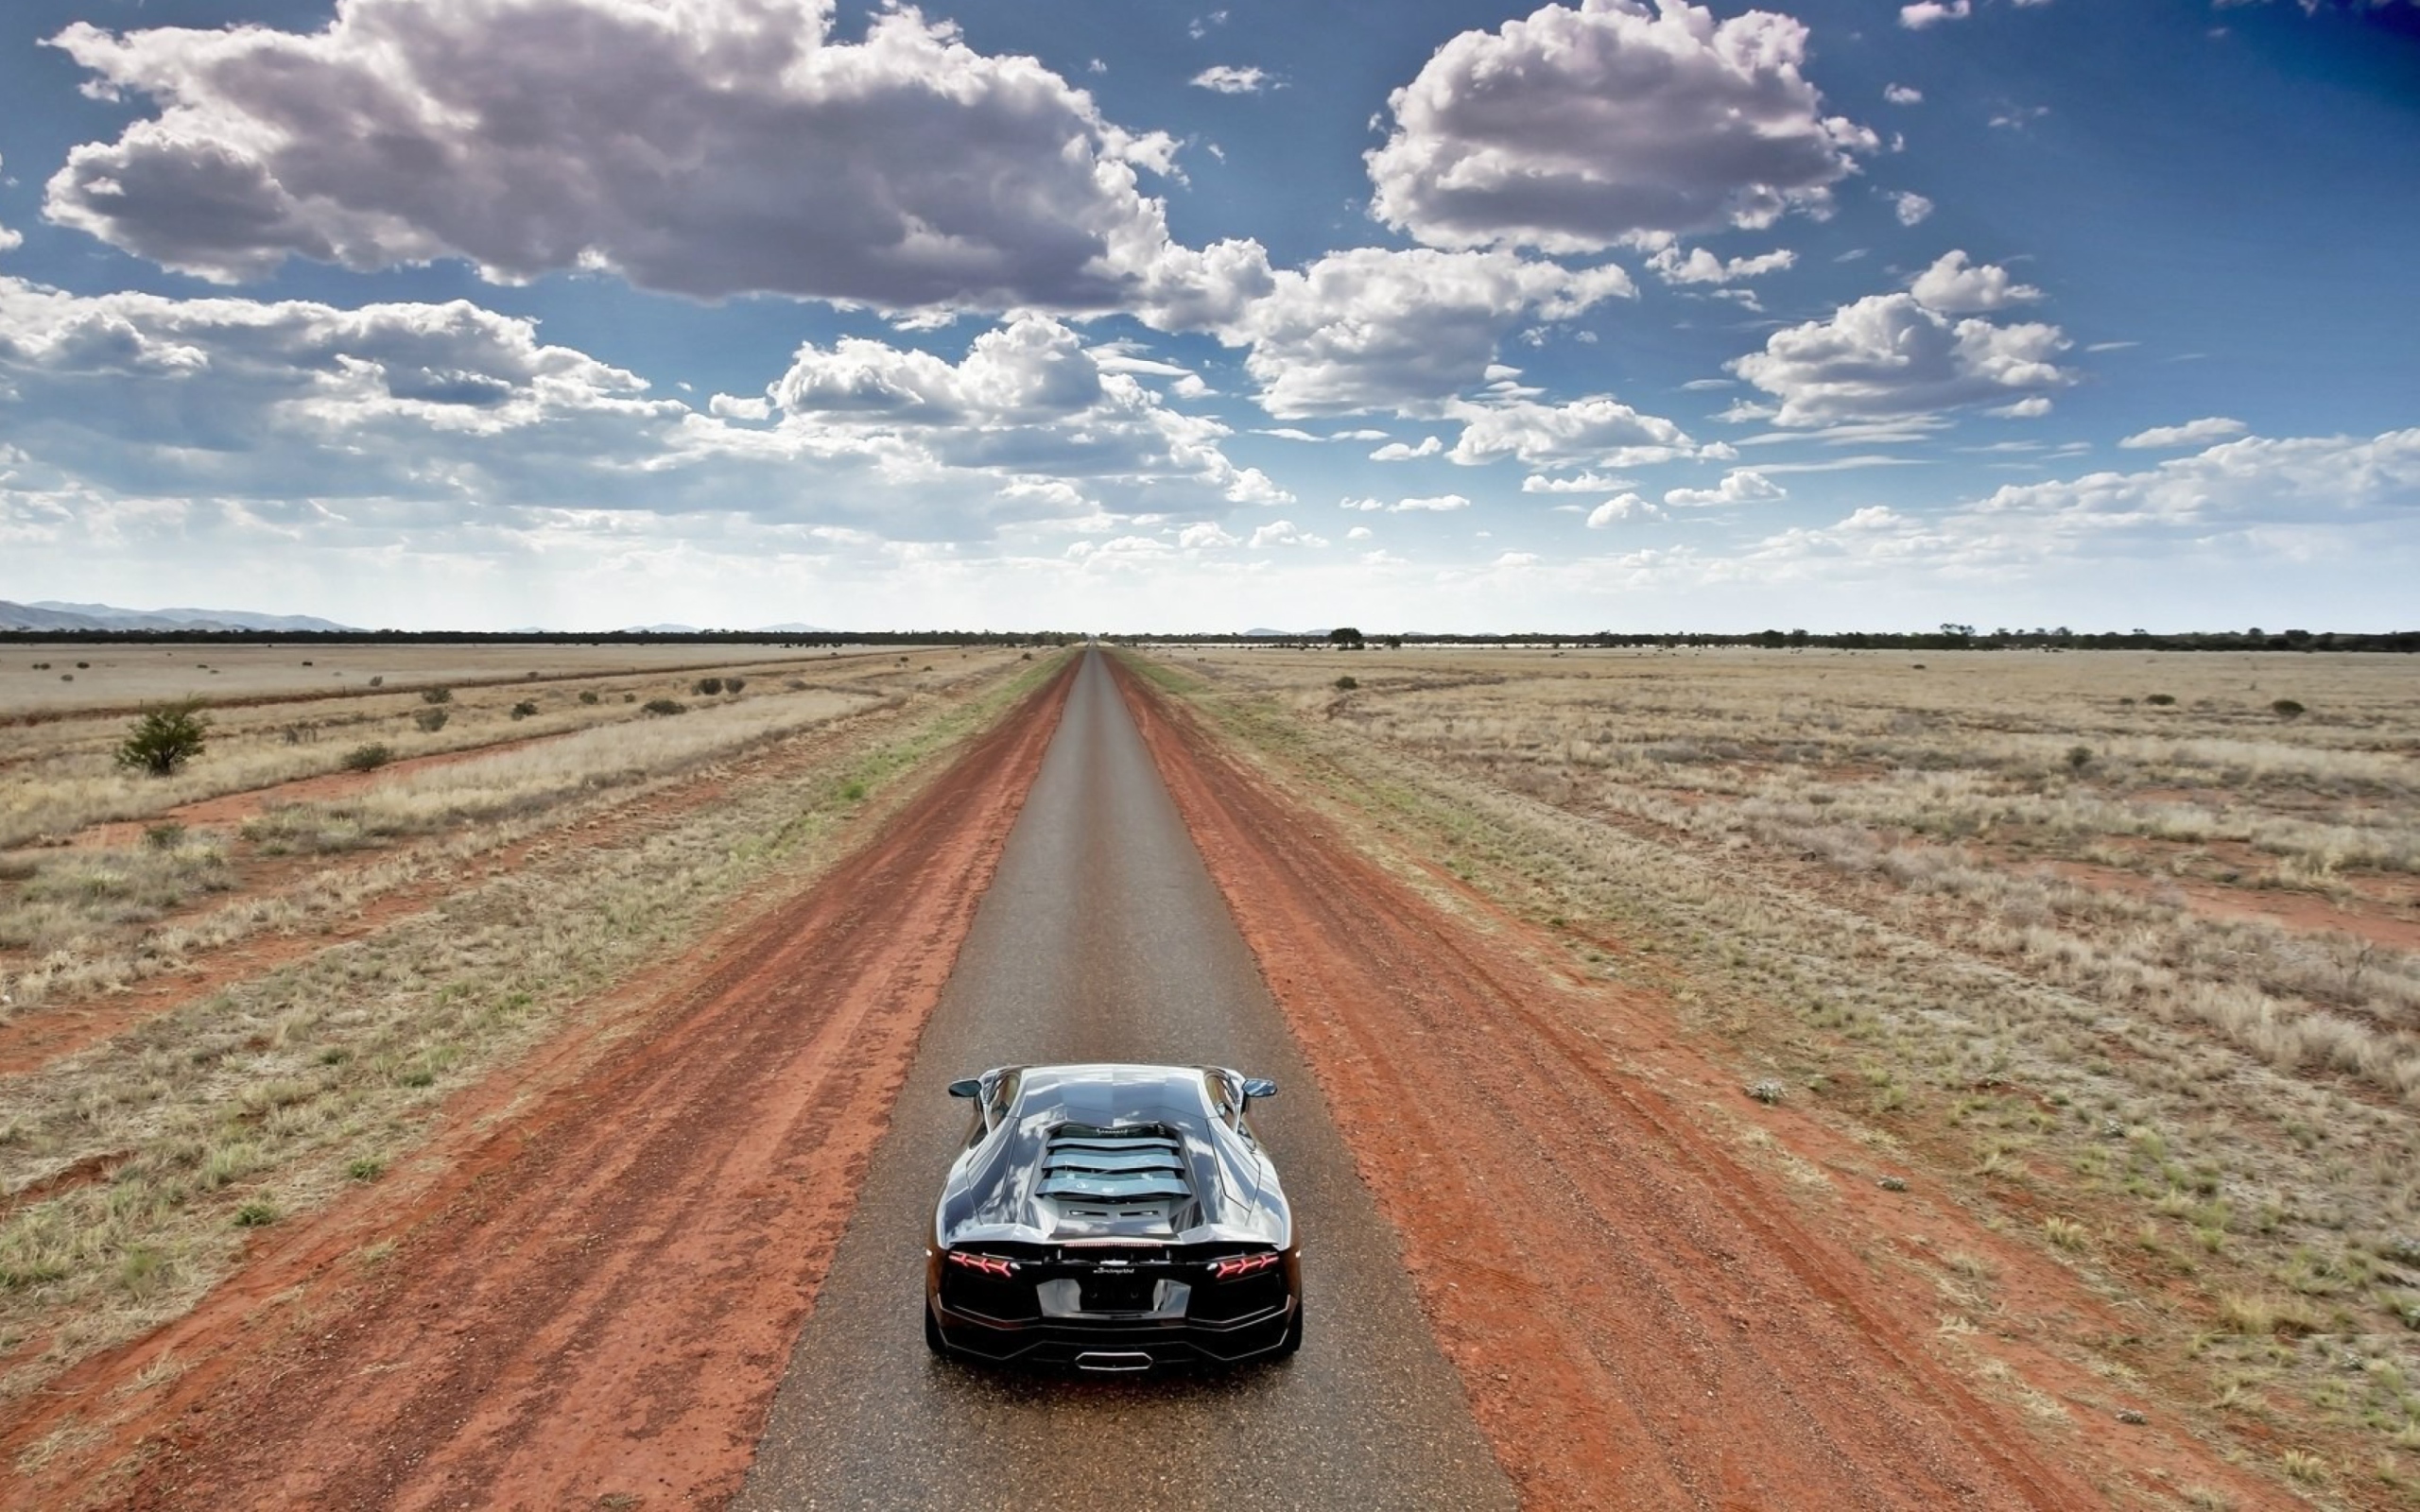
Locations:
{"points": [[1227, 1270], [987, 1264]]}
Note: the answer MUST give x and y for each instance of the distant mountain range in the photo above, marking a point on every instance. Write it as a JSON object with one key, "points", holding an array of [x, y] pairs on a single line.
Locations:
{"points": [[51, 615]]}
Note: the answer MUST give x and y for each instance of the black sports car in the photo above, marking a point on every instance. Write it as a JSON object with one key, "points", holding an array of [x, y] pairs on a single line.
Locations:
{"points": [[1113, 1217]]}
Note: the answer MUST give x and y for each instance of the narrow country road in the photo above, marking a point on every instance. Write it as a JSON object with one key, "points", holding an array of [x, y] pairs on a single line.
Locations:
{"points": [[1103, 938]]}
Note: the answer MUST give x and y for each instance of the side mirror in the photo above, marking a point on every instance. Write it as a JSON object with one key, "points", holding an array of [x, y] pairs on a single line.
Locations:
{"points": [[967, 1087], [1256, 1088]]}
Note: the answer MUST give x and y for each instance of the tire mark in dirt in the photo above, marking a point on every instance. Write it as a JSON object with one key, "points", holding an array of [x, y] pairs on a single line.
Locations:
{"points": [[596, 1282], [1637, 1319]]}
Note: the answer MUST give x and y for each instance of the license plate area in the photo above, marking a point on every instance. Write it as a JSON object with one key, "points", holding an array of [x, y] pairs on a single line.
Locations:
{"points": [[1118, 1294]]}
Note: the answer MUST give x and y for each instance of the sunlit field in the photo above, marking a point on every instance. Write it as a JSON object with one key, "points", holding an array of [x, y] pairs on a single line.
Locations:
{"points": [[2127, 946]]}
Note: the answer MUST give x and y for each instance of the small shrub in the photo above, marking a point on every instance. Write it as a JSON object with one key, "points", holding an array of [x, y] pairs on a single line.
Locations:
{"points": [[299, 734], [1766, 1091], [83, 666], [523, 708], [853, 791], [1347, 683], [368, 758], [796, 684], [165, 738], [67, 677], [2079, 757], [166, 836], [2160, 700], [2283, 708], [378, 681], [630, 697], [432, 720], [2064, 1232], [437, 696], [664, 706], [306, 663], [708, 687], [588, 694], [367, 1168], [734, 684], [1028, 656], [257, 1214]]}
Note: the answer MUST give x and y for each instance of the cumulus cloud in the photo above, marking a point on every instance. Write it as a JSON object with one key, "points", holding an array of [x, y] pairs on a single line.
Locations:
{"points": [[1701, 266], [1953, 287], [1926, 13], [449, 416], [1903, 95], [1577, 129], [1621, 507], [1284, 533], [1371, 329], [1227, 79], [1911, 208], [2252, 480], [701, 147], [1598, 431], [1890, 356], [1435, 503], [1581, 483], [2192, 433], [1402, 452], [1739, 486]]}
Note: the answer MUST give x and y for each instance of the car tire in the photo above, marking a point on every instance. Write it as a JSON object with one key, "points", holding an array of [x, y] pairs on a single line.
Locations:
{"points": [[1294, 1339], [933, 1339]]}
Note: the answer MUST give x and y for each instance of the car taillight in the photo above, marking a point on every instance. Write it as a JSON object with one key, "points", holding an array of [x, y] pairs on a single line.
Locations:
{"points": [[1227, 1270], [989, 1266]]}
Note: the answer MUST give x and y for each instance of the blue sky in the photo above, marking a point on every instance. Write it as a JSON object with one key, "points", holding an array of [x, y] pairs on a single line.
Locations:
{"points": [[1141, 314]]}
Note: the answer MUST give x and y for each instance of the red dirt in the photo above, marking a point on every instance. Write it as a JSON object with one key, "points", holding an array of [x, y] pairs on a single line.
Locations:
{"points": [[2300, 912], [598, 1270], [1641, 1315]]}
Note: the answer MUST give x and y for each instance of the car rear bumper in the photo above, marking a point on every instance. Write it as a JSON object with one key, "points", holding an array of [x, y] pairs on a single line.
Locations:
{"points": [[1113, 1344]]}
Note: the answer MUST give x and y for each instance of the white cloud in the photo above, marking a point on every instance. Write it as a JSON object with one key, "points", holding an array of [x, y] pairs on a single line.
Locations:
{"points": [[1227, 79], [1623, 506], [1903, 95], [1739, 486], [1889, 356], [1597, 431], [1400, 452], [1932, 12], [1436, 504], [1359, 533], [1371, 329], [1911, 208], [1203, 534], [441, 420], [2192, 433], [2247, 481], [768, 156], [1953, 287], [1701, 266], [1583, 483], [1574, 130], [1284, 533]]}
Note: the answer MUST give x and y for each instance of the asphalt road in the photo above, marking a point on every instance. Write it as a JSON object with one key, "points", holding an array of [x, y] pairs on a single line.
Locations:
{"points": [[1103, 938]]}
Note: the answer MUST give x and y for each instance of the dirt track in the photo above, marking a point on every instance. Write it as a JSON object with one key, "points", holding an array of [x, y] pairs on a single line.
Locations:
{"points": [[595, 1279], [1639, 1319]]}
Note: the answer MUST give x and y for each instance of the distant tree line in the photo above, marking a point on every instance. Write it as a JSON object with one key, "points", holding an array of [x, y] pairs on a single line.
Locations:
{"points": [[757, 638], [1947, 638]]}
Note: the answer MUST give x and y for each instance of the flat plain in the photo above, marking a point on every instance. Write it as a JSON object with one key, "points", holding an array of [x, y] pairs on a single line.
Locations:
{"points": [[231, 996], [2115, 950]]}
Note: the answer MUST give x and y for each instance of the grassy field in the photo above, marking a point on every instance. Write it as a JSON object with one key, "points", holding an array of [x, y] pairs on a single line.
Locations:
{"points": [[2124, 949], [290, 1043]]}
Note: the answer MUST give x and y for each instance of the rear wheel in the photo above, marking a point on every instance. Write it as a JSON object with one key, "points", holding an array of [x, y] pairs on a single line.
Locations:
{"points": [[933, 1340]]}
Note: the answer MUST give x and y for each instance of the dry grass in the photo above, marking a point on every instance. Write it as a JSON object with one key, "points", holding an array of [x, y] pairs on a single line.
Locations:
{"points": [[260, 1103], [2157, 989], [57, 775], [96, 918]]}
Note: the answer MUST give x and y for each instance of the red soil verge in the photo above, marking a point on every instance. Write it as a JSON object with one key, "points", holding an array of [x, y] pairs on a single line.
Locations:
{"points": [[596, 1276], [1641, 1317]]}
